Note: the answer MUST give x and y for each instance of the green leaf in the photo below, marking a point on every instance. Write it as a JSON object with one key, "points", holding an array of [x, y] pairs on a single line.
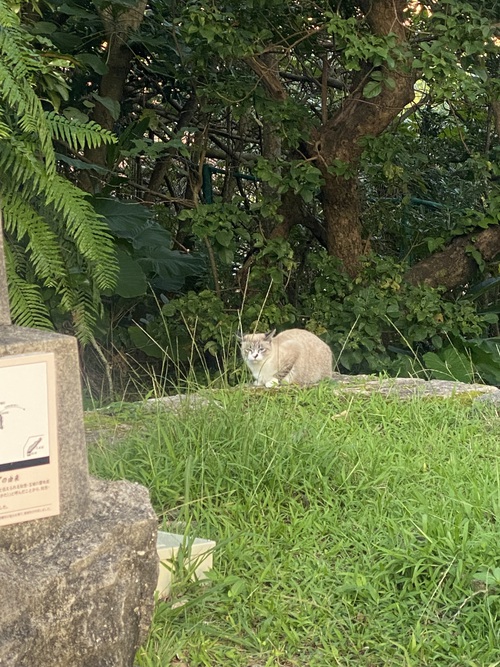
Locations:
{"points": [[131, 281], [224, 237], [74, 10], [449, 364], [476, 254], [437, 341], [111, 105], [93, 61], [143, 342], [152, 236], [372, 89], [485, 353], [433, 243], [72, 113], [80, 165], [125, 219], [168, 269], [43, 28], [128, 220], [489, 577]]}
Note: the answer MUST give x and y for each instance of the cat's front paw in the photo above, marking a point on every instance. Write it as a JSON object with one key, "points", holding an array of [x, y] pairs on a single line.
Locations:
{"points": [[272, 383]]}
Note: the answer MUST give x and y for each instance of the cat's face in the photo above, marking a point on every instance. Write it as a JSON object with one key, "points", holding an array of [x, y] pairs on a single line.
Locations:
{"points": [[255, 347]]}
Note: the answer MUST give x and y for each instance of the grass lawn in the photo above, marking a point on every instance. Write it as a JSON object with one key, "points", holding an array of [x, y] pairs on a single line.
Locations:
{"points": [[358, 531]]}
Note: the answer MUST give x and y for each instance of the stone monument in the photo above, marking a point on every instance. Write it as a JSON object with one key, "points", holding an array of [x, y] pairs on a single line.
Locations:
{"points": [[78, 559]]}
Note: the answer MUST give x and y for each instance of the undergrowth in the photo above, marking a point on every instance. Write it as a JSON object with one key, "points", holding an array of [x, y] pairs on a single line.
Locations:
{"points": [[350, 530]]}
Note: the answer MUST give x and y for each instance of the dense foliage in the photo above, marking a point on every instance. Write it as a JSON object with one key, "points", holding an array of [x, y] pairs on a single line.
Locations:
{"points": [[277, 164], [57, 241]]}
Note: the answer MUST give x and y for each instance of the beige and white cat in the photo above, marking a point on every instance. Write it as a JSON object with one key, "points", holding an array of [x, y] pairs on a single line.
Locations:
{"points": [[295, 356]]}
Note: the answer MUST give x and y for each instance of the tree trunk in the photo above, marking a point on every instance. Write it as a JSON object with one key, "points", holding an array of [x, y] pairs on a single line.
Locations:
{"points": [[338, 140], [118, 62], [341, 210]]}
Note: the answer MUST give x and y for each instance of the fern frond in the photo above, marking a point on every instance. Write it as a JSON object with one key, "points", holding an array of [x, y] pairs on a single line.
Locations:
{"points": [[26, 304], [85, 310], [65, 204], [53, 216], [20, 167], [42, 244], [18, 65], [77, 134], [4, 130], [19, 259], [17, 94], [8, 18], [86, 228], [55, 235], [19, 97]]}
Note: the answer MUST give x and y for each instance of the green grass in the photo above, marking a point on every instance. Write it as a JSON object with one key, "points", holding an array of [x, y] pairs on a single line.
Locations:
{"points": [[350, 530]]}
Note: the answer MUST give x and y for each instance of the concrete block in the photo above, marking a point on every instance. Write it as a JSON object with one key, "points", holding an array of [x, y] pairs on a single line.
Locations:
{"points": [[200, 558]]}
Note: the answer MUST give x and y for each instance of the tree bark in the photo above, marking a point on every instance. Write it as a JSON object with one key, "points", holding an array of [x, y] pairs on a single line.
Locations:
{"points": [[338, 139], [265, 66], [341, 209], [118, 61], [454, 266]]}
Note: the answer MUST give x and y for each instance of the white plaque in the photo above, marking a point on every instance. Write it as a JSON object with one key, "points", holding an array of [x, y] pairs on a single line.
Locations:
{"points": [[29, 473]]}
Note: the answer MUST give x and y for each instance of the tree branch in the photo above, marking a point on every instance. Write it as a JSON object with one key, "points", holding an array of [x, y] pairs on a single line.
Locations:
{"points": [[454, 266], [268, 78], [300, 78]]}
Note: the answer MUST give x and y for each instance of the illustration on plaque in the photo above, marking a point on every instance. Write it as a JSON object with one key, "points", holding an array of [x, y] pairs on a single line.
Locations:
{"points": [[4, 410], [29, 476], [24, 418]]}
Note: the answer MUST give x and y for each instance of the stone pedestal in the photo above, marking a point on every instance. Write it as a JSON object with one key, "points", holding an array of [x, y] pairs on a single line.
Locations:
{"points": [[83, 597], [77, 585]]}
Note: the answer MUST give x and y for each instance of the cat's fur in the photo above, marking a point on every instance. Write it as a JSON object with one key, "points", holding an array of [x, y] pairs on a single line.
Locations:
{"points": [[295, 356]]}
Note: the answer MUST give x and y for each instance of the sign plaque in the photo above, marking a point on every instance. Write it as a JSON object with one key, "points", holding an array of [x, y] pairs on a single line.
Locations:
{"points": [[29, 473]]}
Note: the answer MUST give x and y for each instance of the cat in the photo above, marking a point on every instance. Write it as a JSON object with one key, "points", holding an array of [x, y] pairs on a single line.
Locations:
{"points": [[295, 356]]}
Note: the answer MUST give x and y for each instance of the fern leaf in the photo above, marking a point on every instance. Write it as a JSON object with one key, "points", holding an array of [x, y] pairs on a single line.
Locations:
{"points": [[87, 229], [77, 134], [8, 18], [85, 309], [23, 169], [42, 244], [26, 304], [56, 238], [18, 65]]}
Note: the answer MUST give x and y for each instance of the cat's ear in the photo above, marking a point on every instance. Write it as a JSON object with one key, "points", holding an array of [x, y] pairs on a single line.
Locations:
{"points": [[270, 334]]}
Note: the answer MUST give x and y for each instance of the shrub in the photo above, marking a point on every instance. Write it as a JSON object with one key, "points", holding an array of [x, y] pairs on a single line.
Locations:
{"points": [[374, 323]]}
